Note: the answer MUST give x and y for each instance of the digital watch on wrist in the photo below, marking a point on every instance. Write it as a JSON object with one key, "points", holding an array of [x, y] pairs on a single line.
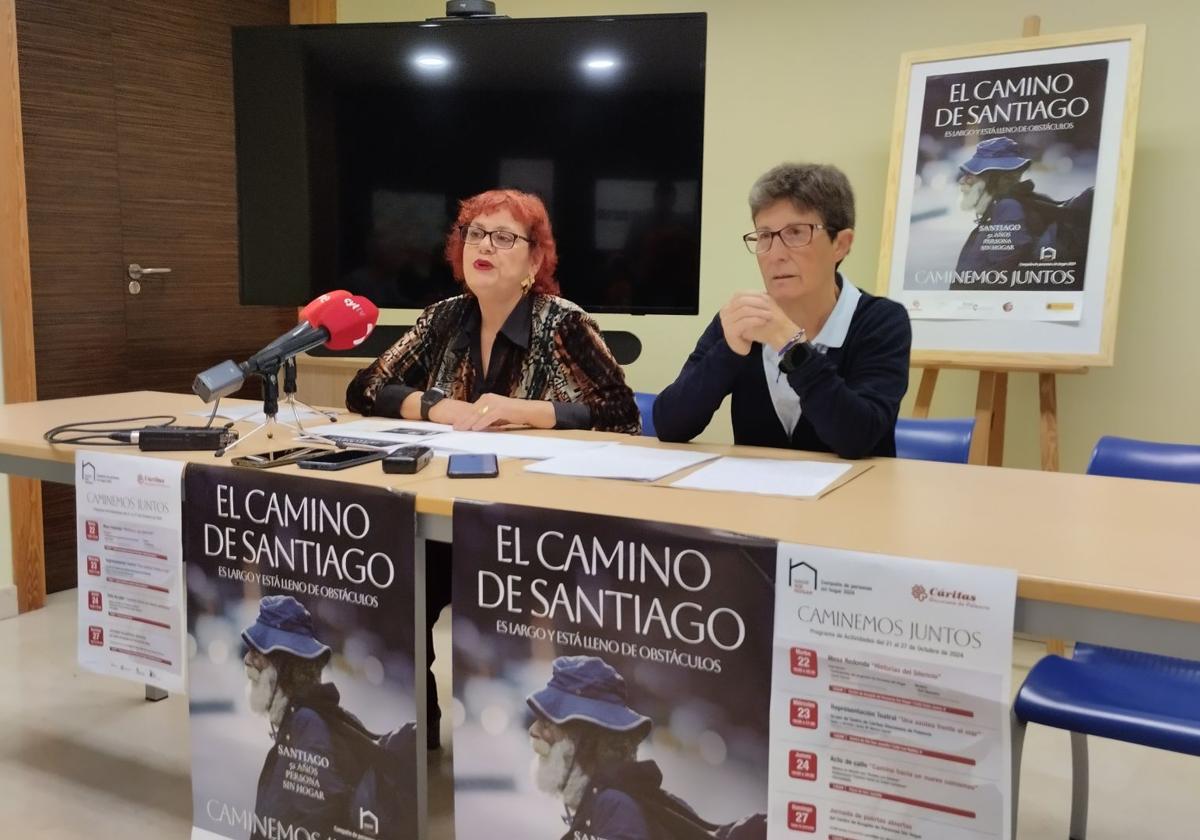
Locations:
{"points": [[429, 398], [795, 356]]}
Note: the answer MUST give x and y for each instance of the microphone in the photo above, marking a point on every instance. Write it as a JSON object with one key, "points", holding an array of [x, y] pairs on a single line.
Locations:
{"points": [[338, 320]]}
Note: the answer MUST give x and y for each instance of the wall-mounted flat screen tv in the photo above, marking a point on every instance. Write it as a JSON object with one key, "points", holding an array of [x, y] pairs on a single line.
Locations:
{"points": [[355, 144]]}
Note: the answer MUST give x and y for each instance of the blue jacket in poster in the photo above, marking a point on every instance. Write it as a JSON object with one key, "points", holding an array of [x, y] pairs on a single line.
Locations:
{"points": [[627, 802], [609, 809], [1006, 235], [305, 781]]}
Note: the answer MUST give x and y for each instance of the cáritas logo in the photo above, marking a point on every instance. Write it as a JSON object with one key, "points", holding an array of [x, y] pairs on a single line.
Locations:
{"points": [[943, 596]]}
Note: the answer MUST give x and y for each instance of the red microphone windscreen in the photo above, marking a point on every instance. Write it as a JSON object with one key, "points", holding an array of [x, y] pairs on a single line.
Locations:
{"points": [[349, 319], [307, 313]]}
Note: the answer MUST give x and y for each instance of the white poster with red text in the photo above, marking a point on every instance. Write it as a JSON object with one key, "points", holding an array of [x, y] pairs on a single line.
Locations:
{"points": [[890, 698], [128, 512]]}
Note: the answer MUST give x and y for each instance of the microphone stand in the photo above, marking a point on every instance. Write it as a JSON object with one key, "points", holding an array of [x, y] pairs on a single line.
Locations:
{"points": [[289, 396], [270, 391]]}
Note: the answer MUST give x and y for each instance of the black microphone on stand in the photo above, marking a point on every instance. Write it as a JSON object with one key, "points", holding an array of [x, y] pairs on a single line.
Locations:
{"points": [[338, 320]]}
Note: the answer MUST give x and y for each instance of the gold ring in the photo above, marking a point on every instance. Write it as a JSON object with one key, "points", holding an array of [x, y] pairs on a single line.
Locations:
{"points": [[484, 410]]}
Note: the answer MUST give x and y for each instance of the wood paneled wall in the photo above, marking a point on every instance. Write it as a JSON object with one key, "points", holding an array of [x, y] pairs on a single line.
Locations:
{"points": [[313, 11], [16, 311]]}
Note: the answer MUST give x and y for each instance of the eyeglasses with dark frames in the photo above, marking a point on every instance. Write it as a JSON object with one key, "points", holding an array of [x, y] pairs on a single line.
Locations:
{"points": [[500, 239], [795, 235]]}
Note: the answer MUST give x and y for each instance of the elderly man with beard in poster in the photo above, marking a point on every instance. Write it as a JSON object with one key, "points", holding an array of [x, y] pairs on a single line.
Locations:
{"points": [[284, 664], [585, 739], [993, 187]]}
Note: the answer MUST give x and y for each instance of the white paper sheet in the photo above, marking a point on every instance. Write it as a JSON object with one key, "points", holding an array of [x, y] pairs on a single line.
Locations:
{"points": [[509, 444], [889, 697], [130, 551], [636, 463], [383, 432], [765, 476]]}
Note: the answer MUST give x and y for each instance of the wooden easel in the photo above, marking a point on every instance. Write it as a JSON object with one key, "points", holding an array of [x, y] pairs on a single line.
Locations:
{"points": [[991, 397]]}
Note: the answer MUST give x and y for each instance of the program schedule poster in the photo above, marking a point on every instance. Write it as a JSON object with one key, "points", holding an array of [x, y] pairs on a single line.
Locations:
{"points": [[890, 697], [131, 598]]}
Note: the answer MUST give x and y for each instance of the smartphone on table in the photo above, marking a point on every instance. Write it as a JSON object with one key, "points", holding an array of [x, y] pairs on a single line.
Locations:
{"points": [[341, 459], [277, 457], [472, 466]]}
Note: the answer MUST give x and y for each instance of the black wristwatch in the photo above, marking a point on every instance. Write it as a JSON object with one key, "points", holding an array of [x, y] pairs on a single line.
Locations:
{"points": [[795, 356], [429, 398]]}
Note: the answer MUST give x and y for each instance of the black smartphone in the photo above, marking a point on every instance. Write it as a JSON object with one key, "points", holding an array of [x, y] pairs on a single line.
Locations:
{"points": [[472, 466], [341, 459], [407, 460], [277, 457]]}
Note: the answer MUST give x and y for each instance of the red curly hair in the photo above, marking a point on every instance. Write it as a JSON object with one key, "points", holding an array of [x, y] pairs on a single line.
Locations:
{"points": [[527, 209]]}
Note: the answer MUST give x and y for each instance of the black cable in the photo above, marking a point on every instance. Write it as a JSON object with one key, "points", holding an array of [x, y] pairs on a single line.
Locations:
{"points": [[85, 431]]}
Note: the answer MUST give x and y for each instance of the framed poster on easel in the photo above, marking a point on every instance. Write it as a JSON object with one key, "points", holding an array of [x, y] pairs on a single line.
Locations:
{"points": [[1007, 201]]}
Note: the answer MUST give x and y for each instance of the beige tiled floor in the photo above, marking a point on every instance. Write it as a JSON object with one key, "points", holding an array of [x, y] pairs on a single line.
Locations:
{"points": [[85, 756]]}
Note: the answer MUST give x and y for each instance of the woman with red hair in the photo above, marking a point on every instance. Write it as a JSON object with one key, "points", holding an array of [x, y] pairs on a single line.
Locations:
{"points": [[507, 352]]}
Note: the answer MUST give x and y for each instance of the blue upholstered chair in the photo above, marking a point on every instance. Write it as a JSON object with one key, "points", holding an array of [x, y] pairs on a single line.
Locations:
{"points": [[1129, 458], [1124, 695], [935, 440], [645, 404]]}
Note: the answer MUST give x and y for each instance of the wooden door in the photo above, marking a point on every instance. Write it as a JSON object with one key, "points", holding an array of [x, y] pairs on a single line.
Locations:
{"points": [[128, 118], [175, 141]]}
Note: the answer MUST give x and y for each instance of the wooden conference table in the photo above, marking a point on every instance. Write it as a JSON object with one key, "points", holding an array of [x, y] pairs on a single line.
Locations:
{"points": [[1112, 561]]}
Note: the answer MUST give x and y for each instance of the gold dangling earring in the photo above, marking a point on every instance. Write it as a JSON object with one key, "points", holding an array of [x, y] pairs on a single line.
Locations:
{"points": [[526, 284]]}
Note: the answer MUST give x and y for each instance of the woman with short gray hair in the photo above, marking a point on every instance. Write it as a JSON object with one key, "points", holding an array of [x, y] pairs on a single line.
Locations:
{"points": [[812, 362]]}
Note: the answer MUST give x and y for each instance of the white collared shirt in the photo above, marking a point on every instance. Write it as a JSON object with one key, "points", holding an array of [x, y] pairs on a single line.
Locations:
{"points": [[833, 334]]}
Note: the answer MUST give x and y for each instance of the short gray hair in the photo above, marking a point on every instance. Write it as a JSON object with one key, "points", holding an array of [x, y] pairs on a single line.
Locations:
{"points": [[818, 187]]}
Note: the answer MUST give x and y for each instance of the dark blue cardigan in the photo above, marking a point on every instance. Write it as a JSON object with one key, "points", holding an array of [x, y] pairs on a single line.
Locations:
{"points": [[850, 396]]}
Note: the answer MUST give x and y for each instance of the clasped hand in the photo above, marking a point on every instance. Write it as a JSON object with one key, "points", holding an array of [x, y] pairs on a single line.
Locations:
{"points": [[755, 316]]}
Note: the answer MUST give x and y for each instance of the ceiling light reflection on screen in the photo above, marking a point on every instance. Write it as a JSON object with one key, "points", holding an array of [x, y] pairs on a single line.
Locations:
{"points": [[600, 64], [431, 62]]}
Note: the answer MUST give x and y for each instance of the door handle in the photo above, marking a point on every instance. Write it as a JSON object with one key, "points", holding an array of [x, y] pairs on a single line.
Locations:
{"points": [[136, 272]]}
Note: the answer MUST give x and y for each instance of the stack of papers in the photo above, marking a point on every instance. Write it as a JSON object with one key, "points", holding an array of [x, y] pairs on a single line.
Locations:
{"points": [[383, 432], [442, 439], [638, 463], [766, 476]]}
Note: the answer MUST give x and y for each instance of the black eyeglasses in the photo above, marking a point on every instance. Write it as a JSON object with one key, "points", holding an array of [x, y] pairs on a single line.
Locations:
{"points": [[501, 239], [795, 235]]}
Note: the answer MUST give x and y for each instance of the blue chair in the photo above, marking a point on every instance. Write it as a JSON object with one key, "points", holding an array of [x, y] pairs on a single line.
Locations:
{"points": [[645, 404], [935, 440], [1140, 698], [1129, 458]]}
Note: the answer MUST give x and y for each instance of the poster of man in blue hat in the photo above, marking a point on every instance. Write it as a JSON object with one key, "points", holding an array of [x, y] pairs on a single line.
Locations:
{"points": [[302, 668], [611, 678], [585, 739], [1007, 185]]}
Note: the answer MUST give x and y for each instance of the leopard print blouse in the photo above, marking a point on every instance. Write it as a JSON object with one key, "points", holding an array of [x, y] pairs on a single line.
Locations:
{"points": [[562, 358]]}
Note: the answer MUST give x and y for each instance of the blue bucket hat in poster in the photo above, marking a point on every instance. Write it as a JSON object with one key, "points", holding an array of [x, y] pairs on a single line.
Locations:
{"points": [[283, 624], [999, 153], [587, 689]]}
